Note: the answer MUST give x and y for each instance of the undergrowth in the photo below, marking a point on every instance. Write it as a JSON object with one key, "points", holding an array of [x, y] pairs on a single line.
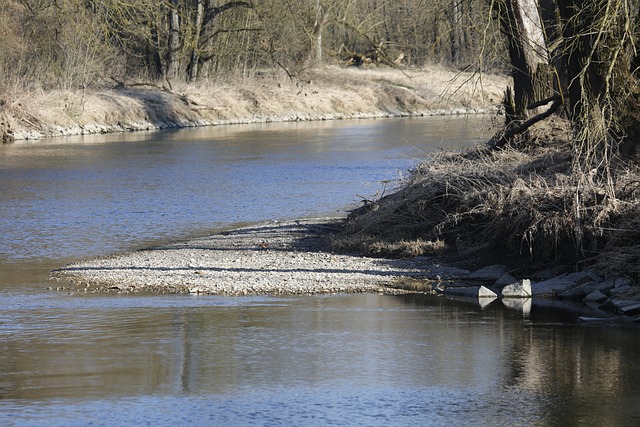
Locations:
{"points": [[526, 208]]}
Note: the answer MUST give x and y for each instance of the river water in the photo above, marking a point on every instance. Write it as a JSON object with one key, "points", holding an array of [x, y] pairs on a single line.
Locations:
{"points": [[304, 360]]}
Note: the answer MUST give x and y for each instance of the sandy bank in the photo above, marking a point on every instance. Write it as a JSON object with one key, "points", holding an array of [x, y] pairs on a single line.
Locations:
{"points": [[269, 258], [270, 96]]}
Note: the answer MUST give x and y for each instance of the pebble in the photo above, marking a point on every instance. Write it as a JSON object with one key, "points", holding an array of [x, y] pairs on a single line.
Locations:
{"points": [[294, 262]]}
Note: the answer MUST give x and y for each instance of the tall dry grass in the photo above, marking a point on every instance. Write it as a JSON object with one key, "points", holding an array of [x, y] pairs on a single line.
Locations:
{"points": [[524, 208]]}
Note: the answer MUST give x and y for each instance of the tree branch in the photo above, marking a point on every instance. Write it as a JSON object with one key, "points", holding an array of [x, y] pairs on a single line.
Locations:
{"points": [[502, 138]]}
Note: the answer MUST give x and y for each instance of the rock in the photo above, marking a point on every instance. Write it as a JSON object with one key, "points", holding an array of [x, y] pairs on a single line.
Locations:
{"points": [[631, 310], [470, 291], [626, 307], [491, 272], [595, 296], [505, 279], [622, 282], [618, 290], [521, 289], [571, 286], [485, 292], [556, 285], [577, 292], [602, 286], [582, 277]]}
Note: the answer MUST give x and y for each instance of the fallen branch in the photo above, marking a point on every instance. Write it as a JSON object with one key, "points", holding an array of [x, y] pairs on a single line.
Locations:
{"points": [[503, 138]]}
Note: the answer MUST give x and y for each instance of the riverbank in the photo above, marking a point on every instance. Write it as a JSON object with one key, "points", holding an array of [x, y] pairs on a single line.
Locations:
{"points": [[269, 96], [269, 258], [553, 233], [296, 258]]}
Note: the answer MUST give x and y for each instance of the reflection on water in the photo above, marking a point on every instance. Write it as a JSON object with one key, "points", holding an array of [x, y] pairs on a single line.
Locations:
{"points": [[308, 360]]}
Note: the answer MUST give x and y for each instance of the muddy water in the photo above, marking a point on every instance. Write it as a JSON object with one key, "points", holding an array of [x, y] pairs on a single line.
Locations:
{"points": [[322, 360]]}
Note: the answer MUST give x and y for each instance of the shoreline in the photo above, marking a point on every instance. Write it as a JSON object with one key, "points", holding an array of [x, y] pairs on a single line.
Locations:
{"points": [[327, 93], [294, 258], [97, 129]]}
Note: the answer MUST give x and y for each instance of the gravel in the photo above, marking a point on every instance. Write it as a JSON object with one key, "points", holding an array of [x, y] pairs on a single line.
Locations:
{"points": [[268, 258]]}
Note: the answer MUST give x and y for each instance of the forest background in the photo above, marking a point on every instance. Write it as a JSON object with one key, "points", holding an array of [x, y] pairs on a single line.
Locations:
{"points": [[64, 44]]}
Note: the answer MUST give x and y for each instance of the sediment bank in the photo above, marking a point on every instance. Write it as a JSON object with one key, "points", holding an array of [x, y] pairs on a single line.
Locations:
{"points": [[328, 93], [268, 258], [294, 258]]}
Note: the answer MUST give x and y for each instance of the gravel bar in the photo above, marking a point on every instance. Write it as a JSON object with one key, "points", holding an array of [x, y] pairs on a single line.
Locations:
{"points": [[268, 258]]}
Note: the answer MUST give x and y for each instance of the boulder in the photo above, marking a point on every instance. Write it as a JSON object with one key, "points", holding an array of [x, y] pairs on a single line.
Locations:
{"points": [[490, 272], [556, 285], [603, 286], [622, 281], [595, 296], [521, 289], [631, 309], [577, 292], [619, 290], [485, 292], [504, 280], [626, 307], [583, 277]]}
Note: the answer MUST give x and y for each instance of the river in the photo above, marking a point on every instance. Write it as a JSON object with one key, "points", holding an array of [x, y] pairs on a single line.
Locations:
{"points": [[74, 359]]}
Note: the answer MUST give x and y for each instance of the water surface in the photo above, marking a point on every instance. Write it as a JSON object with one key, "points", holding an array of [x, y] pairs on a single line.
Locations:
{"points": [[77, 197], [76, 359]]}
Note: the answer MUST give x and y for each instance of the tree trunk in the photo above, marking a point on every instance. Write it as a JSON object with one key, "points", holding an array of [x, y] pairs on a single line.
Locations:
{"points": [[456, 32], [173, 63], [321, 20], [194, 61], [528, 54], [207, 31]]}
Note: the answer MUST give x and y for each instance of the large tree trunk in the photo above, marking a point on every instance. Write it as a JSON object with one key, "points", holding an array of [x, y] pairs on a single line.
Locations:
{"points": [[604, 100], [528, 54]]}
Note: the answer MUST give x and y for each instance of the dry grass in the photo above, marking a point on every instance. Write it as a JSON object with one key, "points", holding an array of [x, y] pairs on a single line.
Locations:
{"points": [[324, 93], [523, 208]]}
